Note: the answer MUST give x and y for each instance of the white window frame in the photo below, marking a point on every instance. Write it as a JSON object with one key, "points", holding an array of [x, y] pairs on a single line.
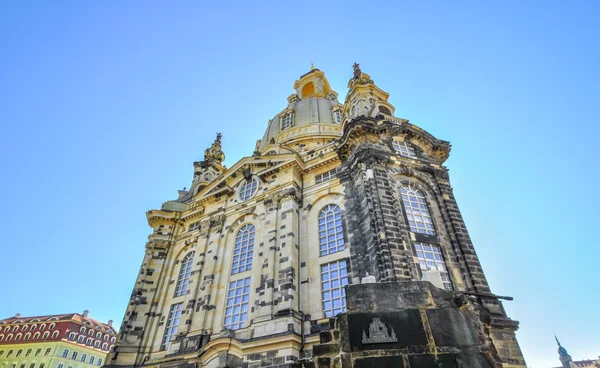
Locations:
{"points": [[323, 177], [172, 324], [431, 258], [331, 230], [417, 211], [334, 276], [248, 189], [185, 272], [404, 149], [236, 306], [244, 249], [286, 121], [337, 116]]}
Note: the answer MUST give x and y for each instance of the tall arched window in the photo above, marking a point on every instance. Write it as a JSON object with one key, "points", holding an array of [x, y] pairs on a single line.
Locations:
{"points": [[331, 230], [244, 249], [184, 274], [417, 212], [46, 334]]}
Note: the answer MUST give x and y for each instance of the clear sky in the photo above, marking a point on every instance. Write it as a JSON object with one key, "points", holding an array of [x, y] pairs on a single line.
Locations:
{"points": [[104, 105]]}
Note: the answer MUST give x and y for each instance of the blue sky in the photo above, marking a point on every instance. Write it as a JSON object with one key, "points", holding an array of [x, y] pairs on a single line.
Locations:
{"points": [[105, 105]]}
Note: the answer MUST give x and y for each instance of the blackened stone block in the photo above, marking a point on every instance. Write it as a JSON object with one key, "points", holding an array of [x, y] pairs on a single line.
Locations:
{"points": [[324, 362], [380, 362], [451, 327]]}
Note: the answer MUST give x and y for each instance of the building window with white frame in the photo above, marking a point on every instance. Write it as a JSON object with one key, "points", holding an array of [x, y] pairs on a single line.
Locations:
{"points": [[431, 258], [65, 353], [331, 230], [327, 175], [184, 275], [83, 357], [337, 116], [404, 149], [244, 249], [334, 276], [248, 189], [417, 212], [286, 121], [172, 324], [74, 355], [236, 308]]}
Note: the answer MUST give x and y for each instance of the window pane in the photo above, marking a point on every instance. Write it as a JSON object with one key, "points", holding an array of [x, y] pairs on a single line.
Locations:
{"points": [[237, 310]]}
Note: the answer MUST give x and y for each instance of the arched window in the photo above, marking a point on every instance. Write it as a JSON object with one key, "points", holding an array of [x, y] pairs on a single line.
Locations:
{"points": [[19, 336], [6, 329], [46, 334], [97, 344], [404, 149], [91, 332], [55, 334], [24, 328], [88, 342], [1, 337], [105, 337], [82, 329], [113, 339], [98, 335], [417, 212], [42, 326], [80, 339], [331, 230], [244, 249], [104, 346], [184, 277], [9, 337], [72, 336], [36, 335], [16, 328], [83, 357], [33, 327], [52, 325], [27, 336]]}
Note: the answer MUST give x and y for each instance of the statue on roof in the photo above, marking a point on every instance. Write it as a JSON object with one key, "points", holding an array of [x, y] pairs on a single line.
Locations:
{"points": [[215, 154], [359, 77]]}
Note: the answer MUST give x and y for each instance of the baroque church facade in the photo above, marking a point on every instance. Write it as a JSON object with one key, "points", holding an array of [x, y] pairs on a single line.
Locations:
{"points": [[338, 242]]}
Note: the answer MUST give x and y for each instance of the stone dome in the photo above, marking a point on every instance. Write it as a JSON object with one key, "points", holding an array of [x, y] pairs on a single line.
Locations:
{"points": [[312, 111]]}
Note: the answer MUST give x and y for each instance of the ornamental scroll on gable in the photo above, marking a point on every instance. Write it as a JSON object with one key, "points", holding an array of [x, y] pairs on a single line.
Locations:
{"points": [[378, 333]]}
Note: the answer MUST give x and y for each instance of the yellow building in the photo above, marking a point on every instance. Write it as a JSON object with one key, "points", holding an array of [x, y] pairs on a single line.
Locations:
{"points": [[337, 242], [57, 341]]}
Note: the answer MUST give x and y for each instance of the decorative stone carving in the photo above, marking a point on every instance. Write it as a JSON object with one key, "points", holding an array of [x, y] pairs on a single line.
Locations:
{"points": [[378, 333]]}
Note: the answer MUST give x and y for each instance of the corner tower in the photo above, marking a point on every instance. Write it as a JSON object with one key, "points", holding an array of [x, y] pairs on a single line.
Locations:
{"points": [[336, 243]]}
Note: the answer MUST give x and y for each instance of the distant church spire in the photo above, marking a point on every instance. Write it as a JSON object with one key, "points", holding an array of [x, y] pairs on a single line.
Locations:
{"points": [[215, 154], [564, 357]]}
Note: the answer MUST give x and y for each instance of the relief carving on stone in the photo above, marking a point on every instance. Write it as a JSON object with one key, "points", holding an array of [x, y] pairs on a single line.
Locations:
{"points": [[378, 333]]}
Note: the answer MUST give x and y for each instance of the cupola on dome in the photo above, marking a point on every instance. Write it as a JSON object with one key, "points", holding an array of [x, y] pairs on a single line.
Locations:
{"points": [[313, 110]]}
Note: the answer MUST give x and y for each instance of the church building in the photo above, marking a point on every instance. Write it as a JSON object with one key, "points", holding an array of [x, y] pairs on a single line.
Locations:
{"points": [[337, 243]]}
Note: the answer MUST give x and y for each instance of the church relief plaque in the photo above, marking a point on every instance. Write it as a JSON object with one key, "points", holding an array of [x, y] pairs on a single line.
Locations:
{"points": [[378, 333]]}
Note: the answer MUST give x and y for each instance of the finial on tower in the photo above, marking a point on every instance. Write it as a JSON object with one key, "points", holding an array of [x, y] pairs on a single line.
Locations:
{"points": [[215, 153], [359, 77], [312, 66], [357, 71]]}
